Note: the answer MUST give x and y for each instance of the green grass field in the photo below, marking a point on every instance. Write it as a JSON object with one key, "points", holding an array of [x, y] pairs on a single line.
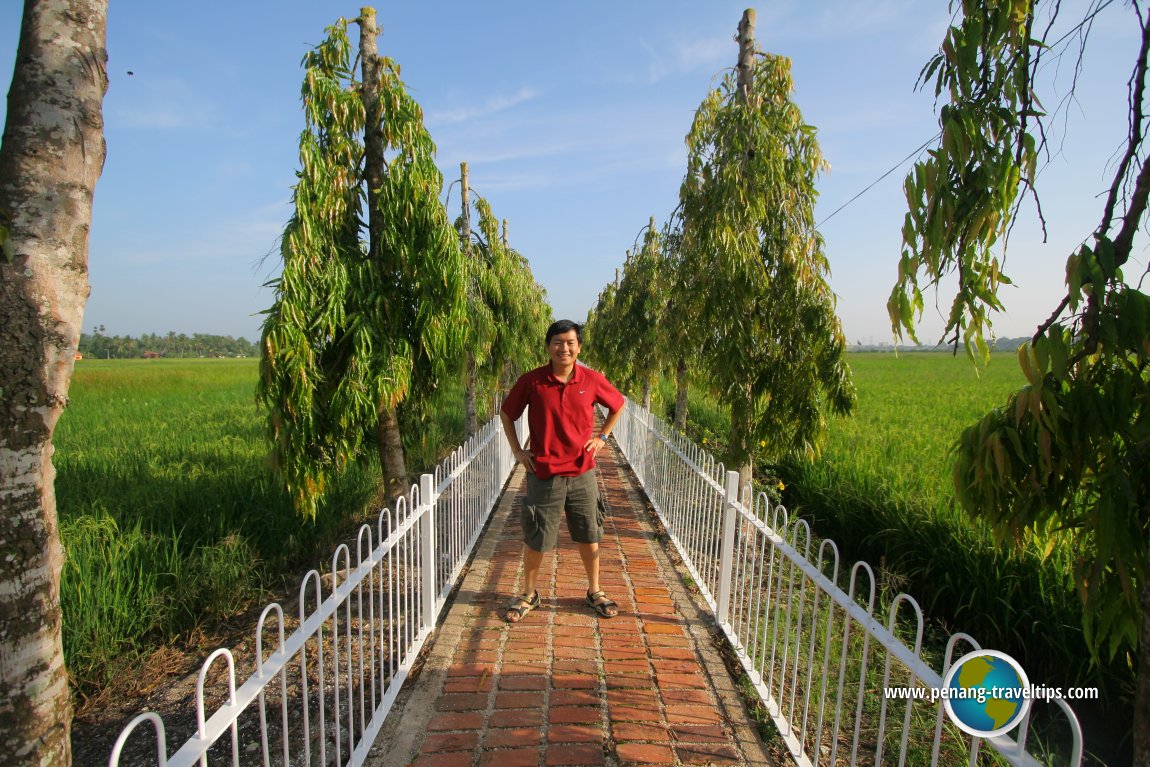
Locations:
{"points": [[911, 409], [168, 514]]}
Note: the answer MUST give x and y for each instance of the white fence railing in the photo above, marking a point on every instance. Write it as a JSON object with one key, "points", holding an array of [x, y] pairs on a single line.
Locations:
{"points": [[319, 696], [817, 655]]}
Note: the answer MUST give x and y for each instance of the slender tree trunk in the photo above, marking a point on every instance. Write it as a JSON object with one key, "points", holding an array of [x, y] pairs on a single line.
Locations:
{"points": [[50, 158], [507, 376], [471, 384], [681, 393], [391, 458], [746, 52], [389, 439], [371, 71], [647, 389], [742, 448]]}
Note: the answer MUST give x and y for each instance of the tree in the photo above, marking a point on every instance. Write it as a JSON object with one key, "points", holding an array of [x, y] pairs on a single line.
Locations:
{"points": [[679, 327], [1069, 451], [367, 315], [481, 323], [772, 346], [635, 342], [50, 158], [506, 307], [600, 330], [517, 303]]}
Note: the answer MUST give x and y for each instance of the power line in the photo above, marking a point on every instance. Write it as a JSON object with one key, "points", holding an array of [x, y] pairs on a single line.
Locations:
{"points": [[1101, 6], [870, 186]]}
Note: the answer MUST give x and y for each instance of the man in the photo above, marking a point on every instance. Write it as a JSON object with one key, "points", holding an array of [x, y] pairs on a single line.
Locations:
{"points": [[560, 465]]}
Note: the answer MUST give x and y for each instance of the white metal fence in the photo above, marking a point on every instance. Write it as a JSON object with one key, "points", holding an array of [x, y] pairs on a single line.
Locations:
{"points": [[818, 656], [319, 696]]}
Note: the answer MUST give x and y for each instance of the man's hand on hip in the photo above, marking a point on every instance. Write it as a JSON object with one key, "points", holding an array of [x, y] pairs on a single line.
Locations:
{"points": [[525, 458]]}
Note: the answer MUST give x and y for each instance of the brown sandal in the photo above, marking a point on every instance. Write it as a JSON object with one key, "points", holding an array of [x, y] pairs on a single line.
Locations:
{"points": [[602, 604], [520, 607]]}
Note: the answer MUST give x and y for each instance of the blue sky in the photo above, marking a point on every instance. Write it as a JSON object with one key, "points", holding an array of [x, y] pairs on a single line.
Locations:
{"points": [[571, 117]]}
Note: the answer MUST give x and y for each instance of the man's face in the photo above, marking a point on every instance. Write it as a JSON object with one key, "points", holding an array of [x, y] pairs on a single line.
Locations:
{"points": [[563, 348]]}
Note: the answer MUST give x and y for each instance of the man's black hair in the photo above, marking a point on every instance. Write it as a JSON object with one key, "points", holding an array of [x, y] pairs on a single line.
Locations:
{"points": [[562, 326]]}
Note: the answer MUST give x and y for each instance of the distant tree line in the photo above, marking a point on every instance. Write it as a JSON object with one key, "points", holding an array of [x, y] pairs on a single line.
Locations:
{"points": [[999, 345], [102, 346]]}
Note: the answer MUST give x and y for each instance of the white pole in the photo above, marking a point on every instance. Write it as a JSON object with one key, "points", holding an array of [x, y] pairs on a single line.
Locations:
{"points": [[727, 550], [427, 538]]}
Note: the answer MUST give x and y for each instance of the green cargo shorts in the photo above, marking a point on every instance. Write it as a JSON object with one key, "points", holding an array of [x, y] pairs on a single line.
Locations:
{"points": [[577, 497]]}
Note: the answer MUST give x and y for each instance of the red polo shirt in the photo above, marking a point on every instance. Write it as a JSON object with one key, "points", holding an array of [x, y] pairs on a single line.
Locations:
{"points": [[561, 416]]}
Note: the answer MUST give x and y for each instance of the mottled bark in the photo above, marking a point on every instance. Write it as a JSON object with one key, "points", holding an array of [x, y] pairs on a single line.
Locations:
{"points": [[50, 158], [746, 40]]}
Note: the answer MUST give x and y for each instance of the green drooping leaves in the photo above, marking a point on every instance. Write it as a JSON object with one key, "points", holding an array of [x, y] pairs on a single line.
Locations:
{"points": [[963, 197], [768, 337], [357, 326], [508, 308], [629, 325], [1067, 455]]}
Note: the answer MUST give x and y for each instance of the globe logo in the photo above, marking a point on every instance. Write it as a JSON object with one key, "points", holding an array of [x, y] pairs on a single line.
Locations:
{"points": [[986, 693]]}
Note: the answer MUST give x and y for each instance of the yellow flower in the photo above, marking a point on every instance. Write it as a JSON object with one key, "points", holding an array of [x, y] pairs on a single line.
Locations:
{"points": [[762, 443], [781, 486], [704, 440]]}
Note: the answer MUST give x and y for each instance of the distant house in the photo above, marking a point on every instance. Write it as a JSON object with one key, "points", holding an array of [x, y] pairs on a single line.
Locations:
{"points": [[79, 356], [151, 355]]}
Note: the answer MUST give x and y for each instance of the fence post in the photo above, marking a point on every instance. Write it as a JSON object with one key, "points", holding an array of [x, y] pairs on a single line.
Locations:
{"points": [[430, 567], [727, 550]]}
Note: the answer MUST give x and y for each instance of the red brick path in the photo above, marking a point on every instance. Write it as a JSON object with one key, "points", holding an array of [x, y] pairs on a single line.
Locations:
{"points": [[564, 687]]}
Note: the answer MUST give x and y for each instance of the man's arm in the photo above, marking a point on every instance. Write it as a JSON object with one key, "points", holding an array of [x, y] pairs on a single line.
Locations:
{"points": [[596, 442], [612, 419], [522, 456]]}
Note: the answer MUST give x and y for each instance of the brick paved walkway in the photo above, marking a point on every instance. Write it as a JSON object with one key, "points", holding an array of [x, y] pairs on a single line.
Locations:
{"points": [[564, 687]]}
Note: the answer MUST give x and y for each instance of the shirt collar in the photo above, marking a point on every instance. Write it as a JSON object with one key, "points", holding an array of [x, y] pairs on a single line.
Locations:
{"points": [[572, 379]]}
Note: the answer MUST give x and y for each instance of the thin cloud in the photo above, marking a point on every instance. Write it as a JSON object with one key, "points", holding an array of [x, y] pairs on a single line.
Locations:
{"points": [[492, 106], [849, 20], [704, 53], [243, 240], [682, 57], [164, 105]]}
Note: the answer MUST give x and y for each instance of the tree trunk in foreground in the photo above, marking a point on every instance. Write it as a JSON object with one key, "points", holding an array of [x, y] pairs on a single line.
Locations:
{"points": [[50, 158]]}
